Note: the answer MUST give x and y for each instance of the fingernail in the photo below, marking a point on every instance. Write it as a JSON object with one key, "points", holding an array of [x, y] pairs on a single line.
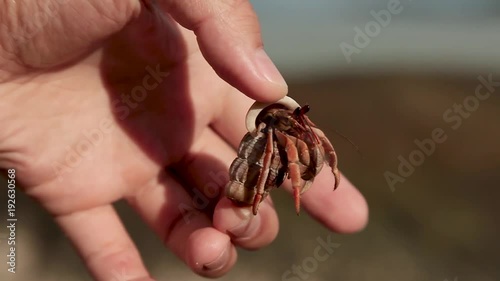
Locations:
{"points": [[219, 262], [248, 225], [267, 68]]}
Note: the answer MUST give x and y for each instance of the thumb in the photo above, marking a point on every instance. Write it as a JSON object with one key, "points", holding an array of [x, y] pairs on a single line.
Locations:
{"points": [[228, 34]]}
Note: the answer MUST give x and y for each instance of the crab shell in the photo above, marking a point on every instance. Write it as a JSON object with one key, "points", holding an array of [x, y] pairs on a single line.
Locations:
{"points": [[257, 107]]}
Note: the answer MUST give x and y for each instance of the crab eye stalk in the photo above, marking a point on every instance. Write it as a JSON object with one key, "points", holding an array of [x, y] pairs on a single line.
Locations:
{"points": [[297, 111], [257, 108], [305, 109]]}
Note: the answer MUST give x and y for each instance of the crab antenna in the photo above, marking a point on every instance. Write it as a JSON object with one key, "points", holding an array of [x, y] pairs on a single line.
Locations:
{"points": [[303, 111], [350, 141]]}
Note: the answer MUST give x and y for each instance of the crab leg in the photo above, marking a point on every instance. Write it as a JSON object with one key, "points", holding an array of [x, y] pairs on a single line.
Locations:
{"points": [[293, 166], [331, 156], [266, 164]]}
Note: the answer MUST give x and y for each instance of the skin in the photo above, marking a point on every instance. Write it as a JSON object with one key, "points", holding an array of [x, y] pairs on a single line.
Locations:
{"points": [[60, 80]]}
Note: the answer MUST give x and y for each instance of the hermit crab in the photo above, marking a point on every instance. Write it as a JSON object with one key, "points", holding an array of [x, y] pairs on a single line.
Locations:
{"points": [[281, 142]]}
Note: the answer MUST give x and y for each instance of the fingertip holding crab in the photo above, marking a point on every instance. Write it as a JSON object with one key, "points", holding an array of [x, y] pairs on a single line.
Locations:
{"points": [[257, 107]]}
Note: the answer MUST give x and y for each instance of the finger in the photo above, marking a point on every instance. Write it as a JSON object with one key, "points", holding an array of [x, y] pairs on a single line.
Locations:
{"points": [[229, 36], [206, 167], [230, 123], [60, 27], [344, 210], [174, 216], [246, 229], [104, 244]]}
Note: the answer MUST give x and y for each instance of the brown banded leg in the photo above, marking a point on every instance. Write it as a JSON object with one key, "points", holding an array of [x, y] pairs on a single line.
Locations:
{"points": [[294, 163], [266, 164], [330, 155], [315, 166]]}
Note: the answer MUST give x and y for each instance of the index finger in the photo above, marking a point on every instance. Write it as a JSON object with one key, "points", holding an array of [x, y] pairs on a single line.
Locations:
{"points": [[344, 210]]}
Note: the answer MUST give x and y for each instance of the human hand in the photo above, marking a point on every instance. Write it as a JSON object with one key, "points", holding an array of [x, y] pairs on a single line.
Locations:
{"points": [[110, 100]]}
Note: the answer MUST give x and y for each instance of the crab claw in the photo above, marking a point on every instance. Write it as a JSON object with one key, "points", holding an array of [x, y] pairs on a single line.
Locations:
{"points": [[257, 107]]}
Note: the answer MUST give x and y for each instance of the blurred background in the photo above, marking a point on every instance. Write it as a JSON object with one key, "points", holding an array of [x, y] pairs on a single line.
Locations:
{"points": [[440, 224]]}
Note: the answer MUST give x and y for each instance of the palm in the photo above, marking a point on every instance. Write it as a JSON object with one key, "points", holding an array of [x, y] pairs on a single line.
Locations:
{"points": [[97, 137]]}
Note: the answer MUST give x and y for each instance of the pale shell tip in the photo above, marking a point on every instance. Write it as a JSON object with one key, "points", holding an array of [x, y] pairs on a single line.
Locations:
{"points": [[257, 107]]}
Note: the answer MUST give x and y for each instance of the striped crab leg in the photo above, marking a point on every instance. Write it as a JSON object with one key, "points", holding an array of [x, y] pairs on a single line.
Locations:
{"points": [[331, 155], [294, 163], [266, 164]]}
